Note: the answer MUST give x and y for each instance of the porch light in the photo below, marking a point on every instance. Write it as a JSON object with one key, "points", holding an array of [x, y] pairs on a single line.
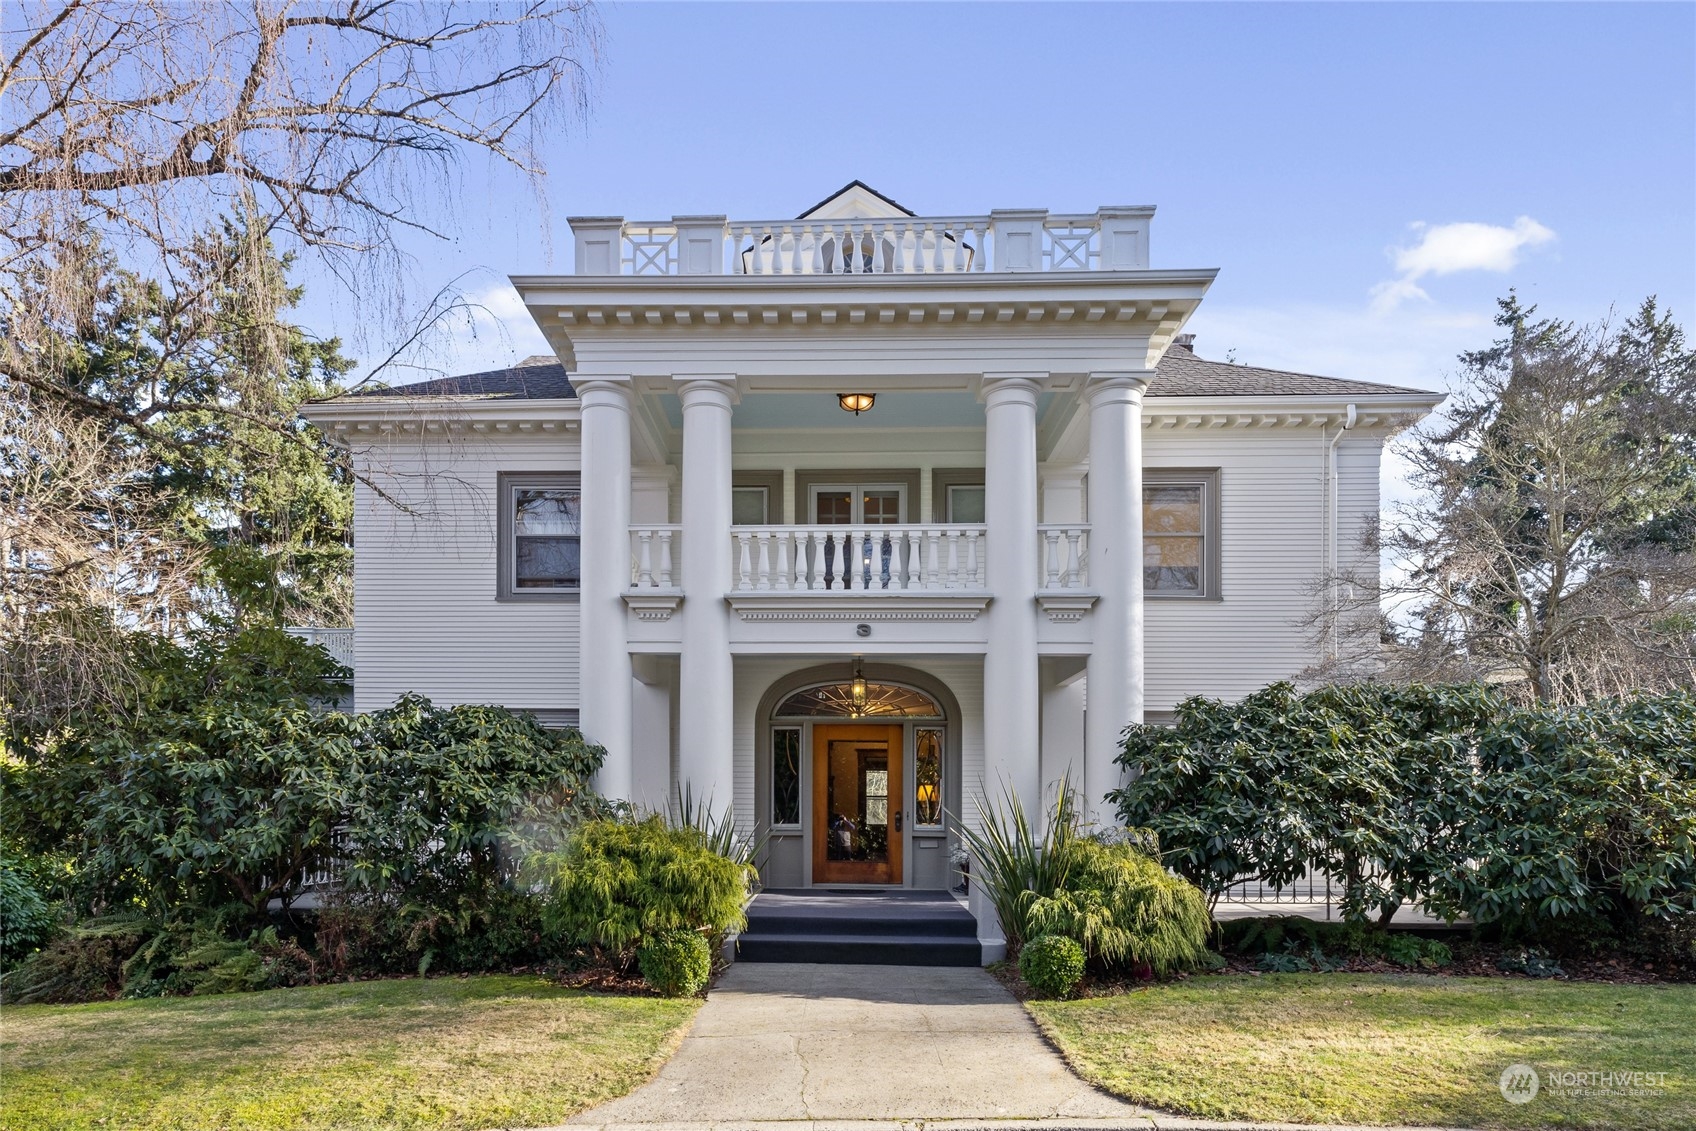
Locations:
{"points": [[856, 403], [857, 689], [927, 793]]}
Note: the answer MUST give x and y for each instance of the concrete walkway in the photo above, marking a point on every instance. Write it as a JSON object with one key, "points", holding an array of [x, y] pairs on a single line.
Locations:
{"points": [[789, 1043]]}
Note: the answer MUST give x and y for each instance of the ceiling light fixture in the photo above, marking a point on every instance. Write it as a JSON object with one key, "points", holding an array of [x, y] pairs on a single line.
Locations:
{"points": [[856, 403]]}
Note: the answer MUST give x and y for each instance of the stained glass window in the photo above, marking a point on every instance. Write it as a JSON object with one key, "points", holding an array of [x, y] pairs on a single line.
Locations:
{"points": [[836, 701], [927, 784], [786, 776]]}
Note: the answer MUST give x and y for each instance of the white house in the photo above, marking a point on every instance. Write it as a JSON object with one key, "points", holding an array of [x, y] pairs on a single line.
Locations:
{"points": [[850, 519]]}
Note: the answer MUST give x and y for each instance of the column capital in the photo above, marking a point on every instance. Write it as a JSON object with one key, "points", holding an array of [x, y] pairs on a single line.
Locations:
{"points": [[707, 388], [1122, 386], [1003, 388], [604, 392]]}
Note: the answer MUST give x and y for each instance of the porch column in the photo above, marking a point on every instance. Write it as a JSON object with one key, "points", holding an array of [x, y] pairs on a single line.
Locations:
{"points": [[1011, 714], [705, 761], [604, 673], [1115, 571]]}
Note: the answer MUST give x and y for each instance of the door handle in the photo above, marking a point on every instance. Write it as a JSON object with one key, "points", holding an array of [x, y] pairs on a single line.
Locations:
{"points": [[898, 815]]}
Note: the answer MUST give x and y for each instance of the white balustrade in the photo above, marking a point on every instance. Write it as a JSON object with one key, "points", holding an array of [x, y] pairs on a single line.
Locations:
{"points": [[1109, 239], [338, 642], [1065, 555], [653, 552], [864, 559]]}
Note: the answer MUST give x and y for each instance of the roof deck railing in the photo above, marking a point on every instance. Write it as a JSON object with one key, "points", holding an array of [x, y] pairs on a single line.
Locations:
{"points": [[1015, 240]]}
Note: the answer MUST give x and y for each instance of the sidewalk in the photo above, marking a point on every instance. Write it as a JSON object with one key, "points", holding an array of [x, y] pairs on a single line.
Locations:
{"points": [[782, 1047]]}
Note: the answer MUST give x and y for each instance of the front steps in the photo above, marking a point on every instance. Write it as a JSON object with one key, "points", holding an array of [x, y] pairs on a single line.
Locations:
{"points": [[875, 927]]}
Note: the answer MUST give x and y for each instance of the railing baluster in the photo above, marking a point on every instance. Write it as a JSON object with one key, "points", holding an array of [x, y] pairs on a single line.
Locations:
{"points": [[764, 581], [645, 559], [1051, 554], [745, 566], [665, 559], [974, 560], [1074, 557], [953, 559], [783, 577]]}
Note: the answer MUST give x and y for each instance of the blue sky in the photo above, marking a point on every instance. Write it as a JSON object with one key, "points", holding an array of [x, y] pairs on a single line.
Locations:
{"points": [[1367, 177]]}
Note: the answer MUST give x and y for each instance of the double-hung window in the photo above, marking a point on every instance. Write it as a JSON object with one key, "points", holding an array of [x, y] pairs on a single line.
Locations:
{"points": [[1180, 533], [540, 536]]}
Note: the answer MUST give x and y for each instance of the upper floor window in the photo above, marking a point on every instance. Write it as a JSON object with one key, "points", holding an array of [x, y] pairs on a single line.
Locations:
{"points": [[540, 536], [1180, 536]]}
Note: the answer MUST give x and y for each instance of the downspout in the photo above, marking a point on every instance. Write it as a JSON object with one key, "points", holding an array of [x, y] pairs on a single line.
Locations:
{"points": [[1334, 489]]}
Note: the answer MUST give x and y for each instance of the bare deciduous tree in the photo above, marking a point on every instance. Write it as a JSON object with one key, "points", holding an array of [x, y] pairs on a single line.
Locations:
{"points": [[1554, 543], [160, 162]]}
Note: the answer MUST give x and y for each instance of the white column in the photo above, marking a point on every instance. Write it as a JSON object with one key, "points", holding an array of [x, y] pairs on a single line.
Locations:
{"points": [[1115, 570], [705, 755], [603, 670], [1011, 719]]}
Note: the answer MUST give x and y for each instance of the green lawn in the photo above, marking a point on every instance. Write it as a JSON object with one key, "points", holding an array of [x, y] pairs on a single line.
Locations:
{"points": [[1338, 1048], [444, 1053]]}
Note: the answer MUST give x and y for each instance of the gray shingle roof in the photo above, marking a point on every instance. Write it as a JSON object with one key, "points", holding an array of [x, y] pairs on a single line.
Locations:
{"points": [[533, 379], [1180, 374]]}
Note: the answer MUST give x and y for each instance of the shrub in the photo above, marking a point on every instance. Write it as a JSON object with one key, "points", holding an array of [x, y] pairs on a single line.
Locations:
{"points": [[619, 882], [27, 920], [1053, 965], [83, 963], [676, 963], [1548, 822], [1125, 910], [1113, 899]]}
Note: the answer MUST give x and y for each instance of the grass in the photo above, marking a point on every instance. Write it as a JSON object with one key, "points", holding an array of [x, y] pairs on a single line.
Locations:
{"points": [[443, 1053], [1341, 1048]]}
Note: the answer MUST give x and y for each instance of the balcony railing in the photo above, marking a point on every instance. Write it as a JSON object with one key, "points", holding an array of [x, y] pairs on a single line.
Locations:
{"points": [[653, 556], [866, 559], [1110, 239], [1065, 555], [338, 642]]}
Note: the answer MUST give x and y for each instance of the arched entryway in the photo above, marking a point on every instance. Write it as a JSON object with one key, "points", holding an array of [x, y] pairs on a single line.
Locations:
{"points": [[857, 777]]}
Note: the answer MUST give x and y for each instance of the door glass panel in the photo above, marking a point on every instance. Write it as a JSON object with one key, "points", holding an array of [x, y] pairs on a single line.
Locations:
{"points": [[833, 508], [786, 776], [965, 504], [748, 506], [857, 801], [881, 508], [927, 778]]}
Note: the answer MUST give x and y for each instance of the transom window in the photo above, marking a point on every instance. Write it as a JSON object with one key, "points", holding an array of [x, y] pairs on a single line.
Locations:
{"points": [[837, 701]]}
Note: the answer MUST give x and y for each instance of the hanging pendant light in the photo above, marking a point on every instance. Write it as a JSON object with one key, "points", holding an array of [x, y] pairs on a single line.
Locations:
{"points": [[857, 689], [856, 403]]}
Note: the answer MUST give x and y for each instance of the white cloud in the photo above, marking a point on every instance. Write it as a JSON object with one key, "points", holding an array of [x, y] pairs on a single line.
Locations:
{"points": [[1444, 249]]}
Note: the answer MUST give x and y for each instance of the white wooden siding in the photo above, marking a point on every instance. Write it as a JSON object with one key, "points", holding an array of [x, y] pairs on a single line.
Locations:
{"points": [[424, 584], [1272, 518]]}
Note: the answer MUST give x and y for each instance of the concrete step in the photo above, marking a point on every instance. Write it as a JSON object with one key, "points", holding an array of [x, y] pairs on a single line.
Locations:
{"points": [[960, 925], [859, 949]]}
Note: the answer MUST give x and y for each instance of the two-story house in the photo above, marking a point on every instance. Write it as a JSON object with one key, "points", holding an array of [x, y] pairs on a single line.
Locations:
{"points": [[850, 520]]}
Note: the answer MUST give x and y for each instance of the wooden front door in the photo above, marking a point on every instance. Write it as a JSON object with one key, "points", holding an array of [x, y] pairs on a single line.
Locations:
{"points": [[857, 792]]}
